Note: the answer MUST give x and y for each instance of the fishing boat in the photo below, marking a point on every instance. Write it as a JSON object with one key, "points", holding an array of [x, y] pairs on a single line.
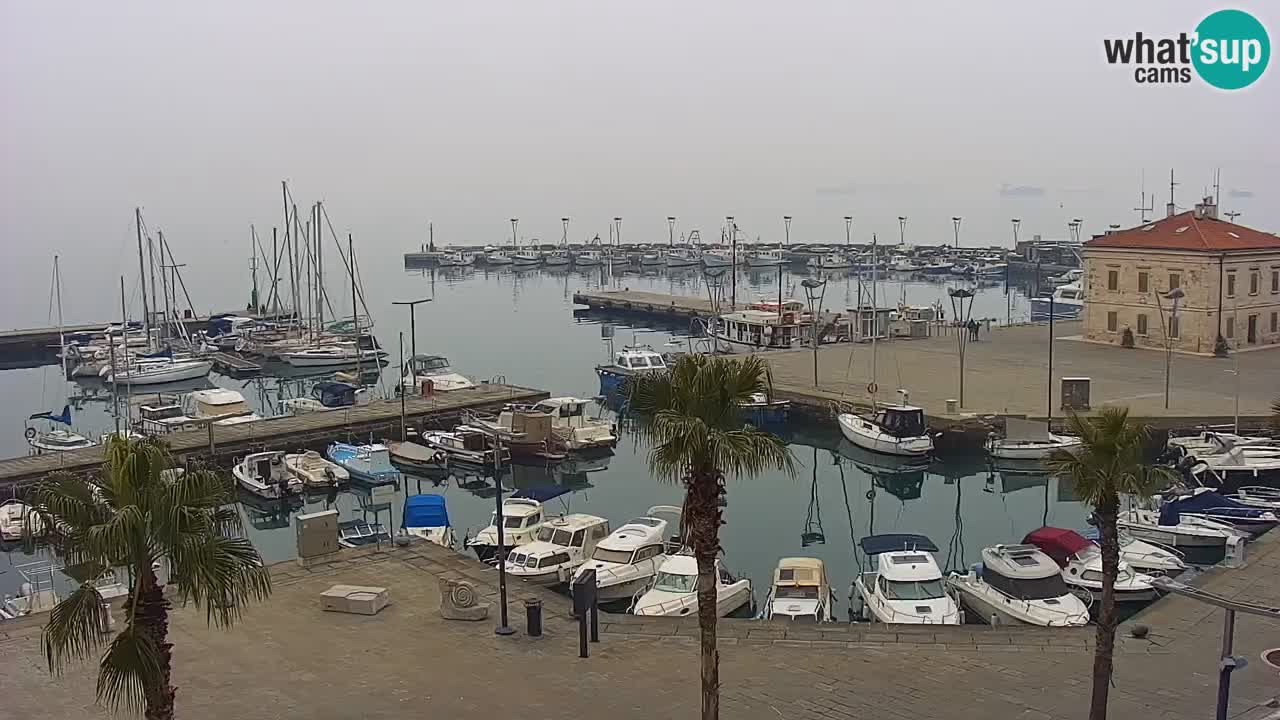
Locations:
{"points": [[465, 445], [800, 591], [1199, 543], [1018, 584], [264, 475], [718, 258], [455, 258], [497, 258], [15, 517], [557, 258], [436, 370], [680, 258], [1081, 563], [531, 257], [1146, 557], [752, 330], [589, 258], [627, 362], [765, 258], [329, 395], [830, 261], [561, 545], [891, 430], [521, 519], [1028, 440], [573, 428], [627, 560], [426, 516], [53, 439], [412, 457], [1066, 303], [651, 258], [315, 471], [674, 592], [360, 533], [369, 464], [905, 585], [157, 371]]}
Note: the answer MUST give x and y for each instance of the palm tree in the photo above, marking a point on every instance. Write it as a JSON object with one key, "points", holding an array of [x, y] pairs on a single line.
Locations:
{"points": [[131, 517], [1109, 463], [697, 436]]}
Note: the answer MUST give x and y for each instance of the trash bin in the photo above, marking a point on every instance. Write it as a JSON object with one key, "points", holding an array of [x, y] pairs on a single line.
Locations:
{"points": [[952, 407], [533, 617]]}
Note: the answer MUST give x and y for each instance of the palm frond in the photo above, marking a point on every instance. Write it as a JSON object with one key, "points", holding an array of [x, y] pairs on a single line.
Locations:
{"points": [[221, 574], [130, 665], [72, 631], [1110, 460]]}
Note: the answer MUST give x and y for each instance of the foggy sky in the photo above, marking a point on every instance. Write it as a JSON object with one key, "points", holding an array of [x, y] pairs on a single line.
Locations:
{"points": [[468, 114]]}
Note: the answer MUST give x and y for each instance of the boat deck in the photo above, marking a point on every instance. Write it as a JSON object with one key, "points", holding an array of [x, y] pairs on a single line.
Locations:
{"points": [[234, 364]]}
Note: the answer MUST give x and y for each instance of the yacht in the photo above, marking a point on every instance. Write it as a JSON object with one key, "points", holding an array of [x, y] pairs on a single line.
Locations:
{"points": [[1207, 504], [681, 258], [1081, 563], [561, 545], [156, 371], [1066, 300], [1068, 277], [1018, 584], [830, 261], [1029, 440], [626, 561], [14, 515], [467, 445], [627, 362], [369, 464], [906, 585], [1145, 557], [674, 592], [893, 430], [426, 516], [800, 591], [521, 519], [436, 369], [264, 475], [571, 424], [1199, 543], [315, 471], [764, 258]]}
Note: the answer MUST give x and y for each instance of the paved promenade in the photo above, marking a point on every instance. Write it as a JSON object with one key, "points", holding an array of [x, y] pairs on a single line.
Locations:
{"points": [[288, 659]]}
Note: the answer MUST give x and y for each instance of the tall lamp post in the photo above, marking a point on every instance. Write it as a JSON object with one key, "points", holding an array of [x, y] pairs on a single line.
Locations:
{"points": [[814, 291], [960, 311], [1173, 296], [1008, 296], [902, 229], [848, 230], [504, 628], [515, 240], [956, 222], [413, 325], [671, 231], [617, 235], [564, 236]]}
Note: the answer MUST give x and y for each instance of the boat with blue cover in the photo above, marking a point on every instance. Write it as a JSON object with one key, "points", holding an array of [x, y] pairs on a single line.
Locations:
{"points": [[369, 464], [1207, 504], [426, 516]]}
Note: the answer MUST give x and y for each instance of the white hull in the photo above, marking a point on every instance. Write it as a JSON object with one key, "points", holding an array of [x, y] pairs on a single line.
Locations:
{"points": [[866, 435], [302, 359], [177, 372], [728, 600], [989, 606], [1031, 449], [903, 612], [442, 536], [314, 470]]}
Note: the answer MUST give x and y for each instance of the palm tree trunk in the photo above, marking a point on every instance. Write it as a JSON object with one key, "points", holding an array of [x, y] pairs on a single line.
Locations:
{"points": [[702, 508], [153, 620], [1106, 513]]}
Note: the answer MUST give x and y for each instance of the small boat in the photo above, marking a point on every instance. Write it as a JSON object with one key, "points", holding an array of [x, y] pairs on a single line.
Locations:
{"points": [[455, 258], [1018, 584], [651, 258], [906, 585], [1028, 440], [1207, 504], [993, 270], [1199, 543], [1259, 496], [467, 445], [329, 395], [588, 258], [1241, 465], [764, 258], [674, 592], [54, 439], [830, 261], [359, 533], [498, 257], [680, 258], [412, 457], [1068, 277], [527, 258], [1145, 557], [1081, 563], [370, 464], [762, 409], [521, 519], [1066, 301], [626, 561], [158, 371], [800, 591], [225, 407], [628, 361], [561, 545], [893, 430], [718, 258], [523, 431], [332, 354], [314, 471], [264, 475], [1209, 442], [436, 370], [427, 517], [15, 515], [557, 258], [573, 428]]}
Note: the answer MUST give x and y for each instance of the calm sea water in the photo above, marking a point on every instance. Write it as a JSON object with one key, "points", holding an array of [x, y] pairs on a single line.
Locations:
{"points": [[521, 325]]}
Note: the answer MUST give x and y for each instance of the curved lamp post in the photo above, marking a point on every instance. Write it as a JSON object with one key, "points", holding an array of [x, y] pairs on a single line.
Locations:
{"points": [[960, 311], [814, 291]]}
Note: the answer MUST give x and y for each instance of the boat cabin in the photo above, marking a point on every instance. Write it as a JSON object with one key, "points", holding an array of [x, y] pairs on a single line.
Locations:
{"points": [[216, 403], [639, 360], [760, 328], [1023, 572], [901, 421], [800, 578], [337, 394], [518, 513]]}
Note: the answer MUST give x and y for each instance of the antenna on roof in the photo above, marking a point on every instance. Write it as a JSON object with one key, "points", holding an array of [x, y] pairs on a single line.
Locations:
{"points": [[1217, 186], [1171, 209], [1143, 206]]}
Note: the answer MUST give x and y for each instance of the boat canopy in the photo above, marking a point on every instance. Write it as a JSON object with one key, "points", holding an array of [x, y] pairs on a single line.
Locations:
{"points": [[1058, 543], [541, 493], [1205, 500], [334, 394], [799, 572], [902, 421], [426, 510], [896, 542]]}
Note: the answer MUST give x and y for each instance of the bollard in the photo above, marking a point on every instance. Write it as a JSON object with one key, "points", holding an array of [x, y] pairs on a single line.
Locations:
{"points": [[585, 604], [951, 407], [533, 617]]}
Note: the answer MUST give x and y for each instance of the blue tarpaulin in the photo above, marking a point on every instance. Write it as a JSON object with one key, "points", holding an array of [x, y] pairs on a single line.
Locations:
{"points": [[1209, 502], [877, 544], [426, 510], [64, 418]]}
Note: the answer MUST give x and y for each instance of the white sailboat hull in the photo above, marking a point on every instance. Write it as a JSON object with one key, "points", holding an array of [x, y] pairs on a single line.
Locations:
{"points": [[868, 436], [1031, 449], [175, 372]]}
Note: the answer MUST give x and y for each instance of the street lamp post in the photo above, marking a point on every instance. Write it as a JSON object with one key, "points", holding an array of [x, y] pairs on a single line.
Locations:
{"points": [[960, 312], [811, 293], [1173, 295], [1008, 296], [515, 241], [902, 229], [848, 230], [671, 231], [413, 326], [503, 627], [956, 222]]}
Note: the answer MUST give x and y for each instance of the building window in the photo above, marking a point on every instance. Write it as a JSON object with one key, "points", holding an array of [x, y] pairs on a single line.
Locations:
{"points": [[1275, 281], [1174, 330], [1231, 327], [1113, 321], [1142, 282], [1253, 283], [1175, 280], [1275, 318], [1113, 280], [1142, 324], [1231, 284]]}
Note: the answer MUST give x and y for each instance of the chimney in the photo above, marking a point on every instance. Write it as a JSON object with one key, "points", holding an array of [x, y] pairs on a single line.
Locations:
{"points": [[1207, 208], [1170, 210]]}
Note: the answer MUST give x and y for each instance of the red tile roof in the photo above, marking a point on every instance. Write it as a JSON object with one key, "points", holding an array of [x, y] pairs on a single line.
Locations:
{"points": [[1185, 231]]}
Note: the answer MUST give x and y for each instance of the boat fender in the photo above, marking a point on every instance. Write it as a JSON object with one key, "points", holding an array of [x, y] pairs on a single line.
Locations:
{"points": [[30, 433], [872, 388], [871, 494], [438, 458]]}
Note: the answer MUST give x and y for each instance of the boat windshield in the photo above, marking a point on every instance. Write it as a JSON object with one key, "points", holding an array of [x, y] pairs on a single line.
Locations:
{"points": [[554, 536], [670, 582], [806, 592], [913, 590], [1027, 589], [621, 557], [512, 522]]}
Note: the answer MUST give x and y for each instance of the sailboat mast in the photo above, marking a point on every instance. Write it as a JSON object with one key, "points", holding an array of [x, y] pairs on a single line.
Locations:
{"points": [[62, 340], [151, 268], [165, 282], [253, 266], [115, 377], [875, 313], [142, 282], [319, 269], [355, 312]]}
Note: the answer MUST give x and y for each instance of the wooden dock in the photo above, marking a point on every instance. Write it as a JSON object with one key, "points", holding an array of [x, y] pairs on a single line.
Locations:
{"points": [[645, 303], [219, 444]]}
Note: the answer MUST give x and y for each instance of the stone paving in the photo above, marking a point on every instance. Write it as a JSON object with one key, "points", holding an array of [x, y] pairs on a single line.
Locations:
{"points": [[288, 659]]}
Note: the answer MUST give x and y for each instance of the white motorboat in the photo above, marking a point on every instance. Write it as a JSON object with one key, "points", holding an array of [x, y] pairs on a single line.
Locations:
{"points": [[1068, 277], [219, 405], [1200, 543], [521, 519], [1210, 442], [765, 258], [1066, 302], [264, 474], [1241, 465], [800, 591], [627, 362], [1260, 496], [573, 427], [1145, 557], [56, 440], [332, 354], [359, 533], [906, 586], [1081, 563], [15, 515], [466, 445], [427, 517], [830, 261], [1018, 584], [589, 258], [498, 257], [560, 547], [893, 430], [455, 258], [314, 471], [369, 464], [674, 592], [1029, 440], [327, 396], [680, 258], [157, 371], [626, 561], [433, 369], [412, 457]]}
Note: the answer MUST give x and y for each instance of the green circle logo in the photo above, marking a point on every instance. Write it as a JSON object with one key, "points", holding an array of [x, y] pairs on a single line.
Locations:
{"points": [[1232, 49]]}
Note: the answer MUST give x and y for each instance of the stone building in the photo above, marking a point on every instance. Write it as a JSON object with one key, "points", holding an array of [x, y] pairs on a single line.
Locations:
{"points": [[1228, 276]]}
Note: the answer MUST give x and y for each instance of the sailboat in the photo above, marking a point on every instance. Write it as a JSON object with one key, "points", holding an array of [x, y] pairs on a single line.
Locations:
{"points": [[892, 430], [55, 439]]}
